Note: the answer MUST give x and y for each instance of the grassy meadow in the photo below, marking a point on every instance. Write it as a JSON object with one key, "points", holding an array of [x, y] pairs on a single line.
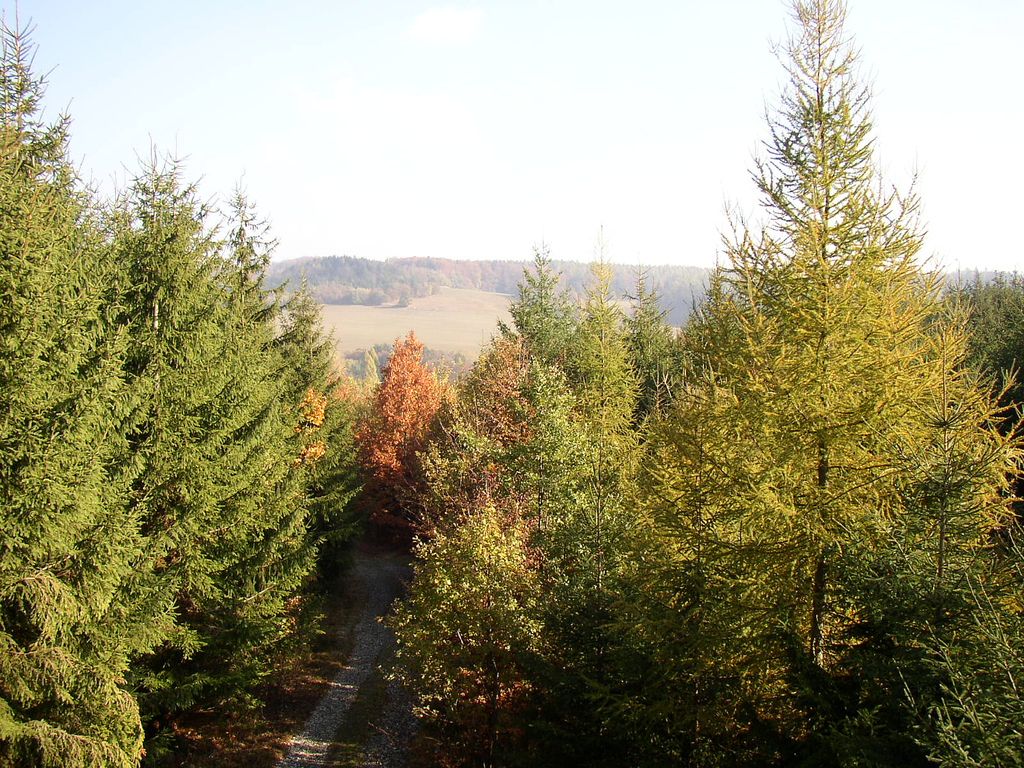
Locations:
{"points": [[456, 320]]}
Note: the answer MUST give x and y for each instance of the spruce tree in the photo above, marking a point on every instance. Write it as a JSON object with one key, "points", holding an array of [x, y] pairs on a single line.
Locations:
{"points": [[976, 720], [225, 522], [307, 352], [653, 350], [543, 314], [583, 547], [273, 559], [996, 326], [323, 410], [73, 610], [997, 332]]}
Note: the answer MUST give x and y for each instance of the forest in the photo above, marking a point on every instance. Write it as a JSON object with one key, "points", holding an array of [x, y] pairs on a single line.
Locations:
{"points": [[786, 533]]}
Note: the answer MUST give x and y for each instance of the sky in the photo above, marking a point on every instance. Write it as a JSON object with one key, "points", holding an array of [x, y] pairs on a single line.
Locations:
{"points": [[382, 128]]}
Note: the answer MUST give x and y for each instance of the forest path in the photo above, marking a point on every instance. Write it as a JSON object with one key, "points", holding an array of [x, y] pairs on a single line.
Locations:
{"points": [[363, 720]]}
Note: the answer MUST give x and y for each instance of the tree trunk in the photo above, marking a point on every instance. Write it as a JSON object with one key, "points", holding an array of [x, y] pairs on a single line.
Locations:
{"points": [[818, 584], [818, 609]]}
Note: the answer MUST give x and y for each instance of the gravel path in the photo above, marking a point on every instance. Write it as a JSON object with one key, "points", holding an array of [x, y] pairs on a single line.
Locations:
{"points": [[378, 578], [389, 745]]}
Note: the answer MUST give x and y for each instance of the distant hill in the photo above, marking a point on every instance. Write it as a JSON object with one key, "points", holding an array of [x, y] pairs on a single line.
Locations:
{"points": [[349, 280]]}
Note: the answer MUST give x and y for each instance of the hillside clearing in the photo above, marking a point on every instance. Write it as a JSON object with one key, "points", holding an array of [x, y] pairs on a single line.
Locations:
{"points": [[452, 320]]}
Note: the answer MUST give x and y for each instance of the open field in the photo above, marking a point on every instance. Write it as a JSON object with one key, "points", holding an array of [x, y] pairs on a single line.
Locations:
{"points": [[452, 320]]}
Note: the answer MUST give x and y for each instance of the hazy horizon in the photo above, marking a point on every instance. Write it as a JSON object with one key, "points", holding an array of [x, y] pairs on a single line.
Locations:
{"points": [[478, 129]]}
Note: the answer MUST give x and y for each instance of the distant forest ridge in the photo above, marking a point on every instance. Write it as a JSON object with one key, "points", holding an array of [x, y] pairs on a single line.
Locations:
{"points": [[354, 280]]}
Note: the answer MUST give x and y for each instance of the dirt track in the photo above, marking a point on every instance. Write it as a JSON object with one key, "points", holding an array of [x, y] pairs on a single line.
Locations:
{"points": [[376, 579]]}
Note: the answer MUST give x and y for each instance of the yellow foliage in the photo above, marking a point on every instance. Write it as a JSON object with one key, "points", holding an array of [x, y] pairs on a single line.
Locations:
{"points": [[312, 409]]}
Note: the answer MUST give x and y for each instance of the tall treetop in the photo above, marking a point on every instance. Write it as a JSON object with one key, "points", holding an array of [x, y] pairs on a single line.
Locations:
{"points": [[818, 178], [543, 313]]}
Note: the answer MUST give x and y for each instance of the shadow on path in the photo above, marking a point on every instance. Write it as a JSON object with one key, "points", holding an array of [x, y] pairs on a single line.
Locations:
{"points": [[377, 577]]}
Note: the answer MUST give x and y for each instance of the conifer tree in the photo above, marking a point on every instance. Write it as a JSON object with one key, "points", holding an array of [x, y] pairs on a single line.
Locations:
{"points": [[975, 722], [996, 326], [543, 314], [923, 591], [583, 547], [997, 330], [267, 565], [73, 610], [826, 294], [819, 358], [678, 638], [547, 463], [323, 412], [606, 397], [653, 350], [247, 255], [226, 525], [307, 352]]}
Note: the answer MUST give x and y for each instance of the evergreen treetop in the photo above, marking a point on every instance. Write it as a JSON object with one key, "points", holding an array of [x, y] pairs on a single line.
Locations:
{"points": [[543, 314]]}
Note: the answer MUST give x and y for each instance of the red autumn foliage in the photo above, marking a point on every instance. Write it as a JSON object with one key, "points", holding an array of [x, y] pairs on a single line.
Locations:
{"points": [[394, 431]]}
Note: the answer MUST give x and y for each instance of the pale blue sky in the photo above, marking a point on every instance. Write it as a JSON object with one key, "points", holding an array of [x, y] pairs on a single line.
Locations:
{"points": [[476, 129]]}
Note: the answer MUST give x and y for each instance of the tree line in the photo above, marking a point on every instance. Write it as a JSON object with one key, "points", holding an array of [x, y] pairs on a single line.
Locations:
{"points": [[785, 535], [354, 280], [175, 451]]}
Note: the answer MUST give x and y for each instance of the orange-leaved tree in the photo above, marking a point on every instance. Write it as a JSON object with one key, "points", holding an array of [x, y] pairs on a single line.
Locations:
{"points": [[469, 459], [394, 431]]}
